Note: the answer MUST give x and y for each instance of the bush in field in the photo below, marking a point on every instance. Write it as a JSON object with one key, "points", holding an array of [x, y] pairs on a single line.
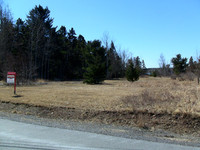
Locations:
{"points": [[154, 74], [132, 73], [173, 77], [188, 76]]}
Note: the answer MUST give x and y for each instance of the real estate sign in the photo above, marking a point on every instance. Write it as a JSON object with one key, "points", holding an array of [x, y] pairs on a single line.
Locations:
{"points": [[11, 79]]}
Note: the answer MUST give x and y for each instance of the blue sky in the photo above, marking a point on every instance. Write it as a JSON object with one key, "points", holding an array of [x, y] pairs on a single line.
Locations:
{"points": [[145, 28]]}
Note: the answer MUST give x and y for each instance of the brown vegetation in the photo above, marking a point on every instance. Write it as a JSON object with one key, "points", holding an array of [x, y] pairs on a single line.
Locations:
{"points": [[148, 103]]}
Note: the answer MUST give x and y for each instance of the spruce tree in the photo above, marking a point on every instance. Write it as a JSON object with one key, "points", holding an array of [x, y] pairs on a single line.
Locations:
{"points": [[95, 60], [191, 66], [132, 73], [179, 64]]}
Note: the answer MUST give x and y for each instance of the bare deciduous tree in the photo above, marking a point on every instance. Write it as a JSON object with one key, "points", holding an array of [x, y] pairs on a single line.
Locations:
{"points": [[162, 62]]}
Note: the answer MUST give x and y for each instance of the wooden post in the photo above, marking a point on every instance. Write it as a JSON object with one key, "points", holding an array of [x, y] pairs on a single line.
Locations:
{"points": [[15, 86]]}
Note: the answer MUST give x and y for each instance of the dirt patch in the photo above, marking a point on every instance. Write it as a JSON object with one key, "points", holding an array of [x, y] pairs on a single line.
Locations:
{"points": [[181, 123]]}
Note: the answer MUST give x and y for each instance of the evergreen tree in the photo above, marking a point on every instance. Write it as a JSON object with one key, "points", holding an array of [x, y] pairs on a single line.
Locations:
{"points": [[7, 61], [40, 27], [81, 48], [179, 64], [36, 49], [191, 64], [74, 53], [143, 65], [59, 59], [20, 51], [132, 73], [95, 61], [138, 65], [114, 63]]}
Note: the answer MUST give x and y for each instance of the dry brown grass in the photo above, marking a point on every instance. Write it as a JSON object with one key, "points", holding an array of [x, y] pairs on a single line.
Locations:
{"points": [[151, 94], [167, 95], [71, 94]]}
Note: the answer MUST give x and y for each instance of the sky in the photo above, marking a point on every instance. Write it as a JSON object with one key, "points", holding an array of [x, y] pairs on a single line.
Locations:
{"points": [[144, 28]]}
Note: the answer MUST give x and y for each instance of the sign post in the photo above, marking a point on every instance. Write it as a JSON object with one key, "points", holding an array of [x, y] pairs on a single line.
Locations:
{"points": [[11, 79]]}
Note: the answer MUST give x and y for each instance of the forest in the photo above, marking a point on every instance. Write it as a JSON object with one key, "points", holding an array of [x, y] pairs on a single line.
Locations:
{"points": [[34, 48]]}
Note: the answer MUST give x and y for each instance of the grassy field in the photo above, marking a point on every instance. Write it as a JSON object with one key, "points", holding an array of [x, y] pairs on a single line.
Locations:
{"points": [[152, 94], [148, 103], [72, 94]]}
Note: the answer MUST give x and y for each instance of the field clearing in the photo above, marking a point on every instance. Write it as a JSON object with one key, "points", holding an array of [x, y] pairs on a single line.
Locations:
{"points": [[148, 103], [152, 94], [71, 94]]}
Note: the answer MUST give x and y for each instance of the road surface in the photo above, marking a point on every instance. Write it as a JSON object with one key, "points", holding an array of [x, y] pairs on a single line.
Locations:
{"points": [[22, 136]]}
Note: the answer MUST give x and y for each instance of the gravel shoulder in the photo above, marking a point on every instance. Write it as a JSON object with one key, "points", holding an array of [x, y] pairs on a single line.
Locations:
{"points": [[100, 128]]}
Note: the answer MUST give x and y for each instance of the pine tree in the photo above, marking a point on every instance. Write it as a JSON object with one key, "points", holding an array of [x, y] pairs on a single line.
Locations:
{"points": [[114, 63], [132, 73], [7, 61], [138, 65], [179, 64], [40, 27], [95, 61], [191, 66]]}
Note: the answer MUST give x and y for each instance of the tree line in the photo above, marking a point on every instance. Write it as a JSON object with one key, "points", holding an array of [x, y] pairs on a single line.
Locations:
{"points": [[182, 67], [34, 49]]}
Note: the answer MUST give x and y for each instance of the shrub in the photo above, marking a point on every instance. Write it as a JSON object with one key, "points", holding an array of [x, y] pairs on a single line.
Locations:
{"points": [[173, 77], [154, 74], [150, 99], [189, 76]]}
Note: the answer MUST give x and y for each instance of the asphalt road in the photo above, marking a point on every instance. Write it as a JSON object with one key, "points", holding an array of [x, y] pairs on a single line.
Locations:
{"points": [[22, 136]]}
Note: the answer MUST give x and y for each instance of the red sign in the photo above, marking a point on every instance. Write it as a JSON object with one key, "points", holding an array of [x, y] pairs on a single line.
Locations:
{"points": [[11, 79]]}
